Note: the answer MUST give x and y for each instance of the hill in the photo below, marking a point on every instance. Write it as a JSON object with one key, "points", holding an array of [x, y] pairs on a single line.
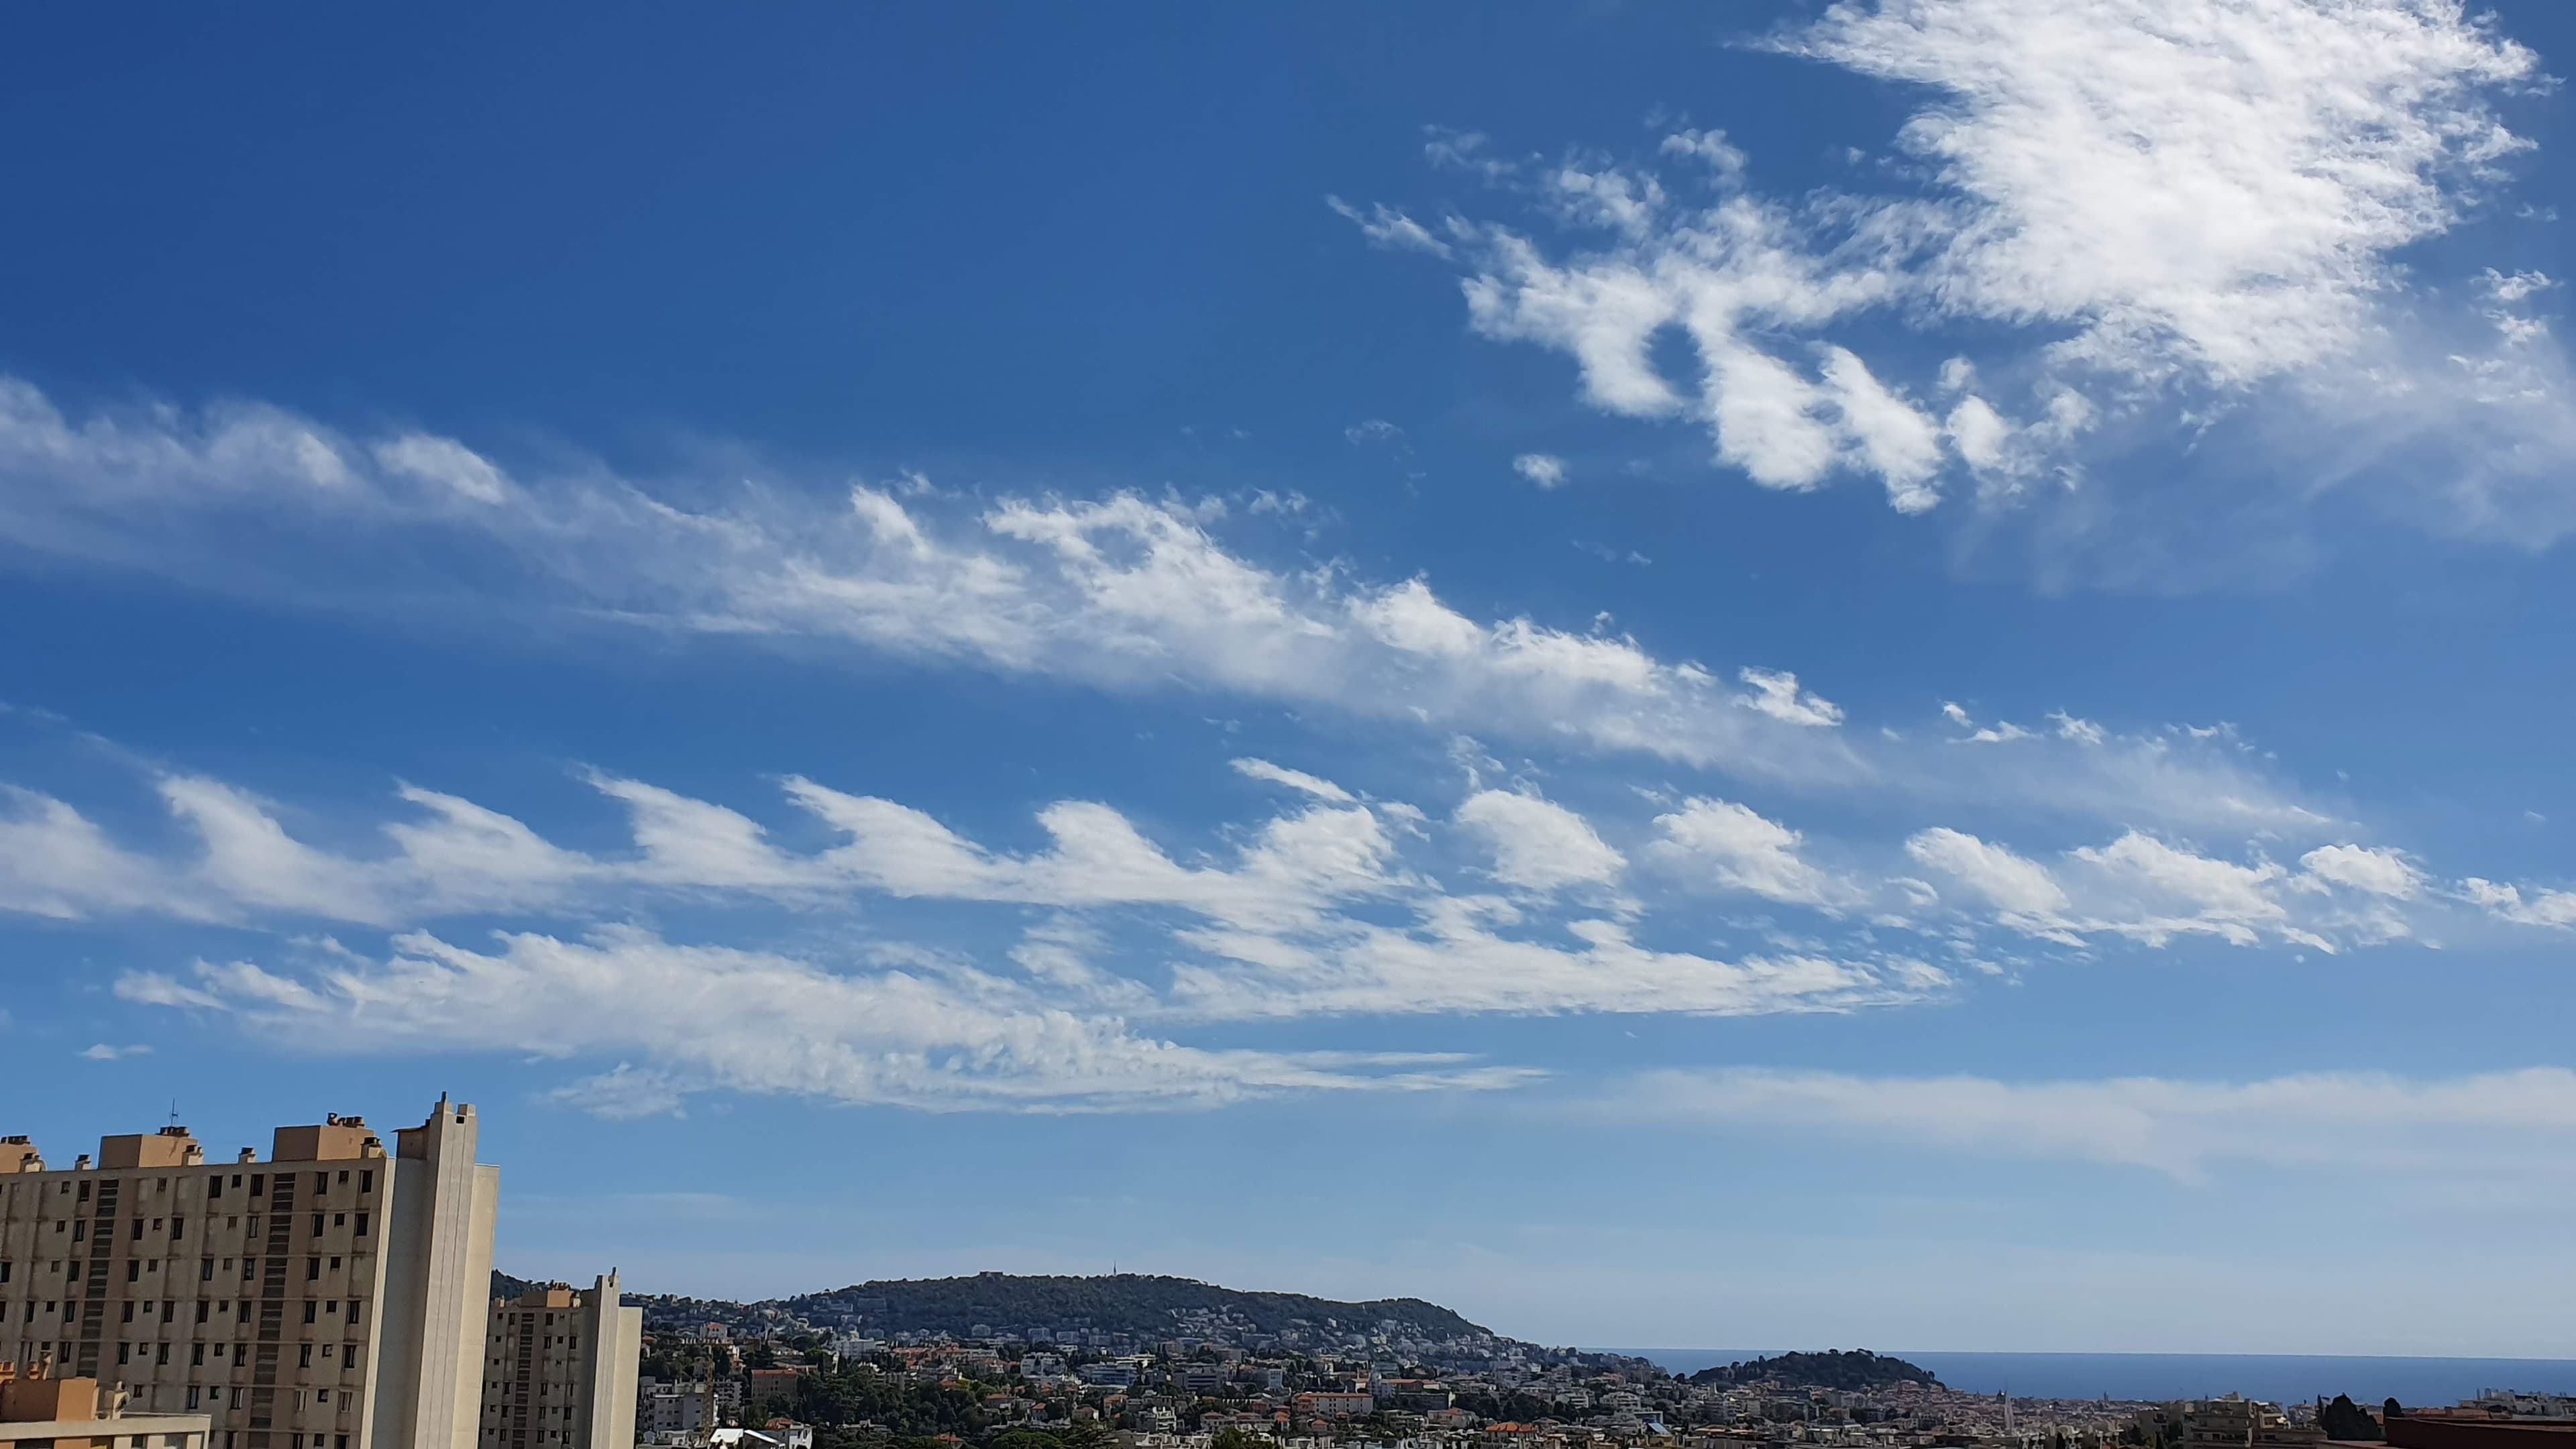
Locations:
{"points": [[1136, 1304], [1834, 1369]]}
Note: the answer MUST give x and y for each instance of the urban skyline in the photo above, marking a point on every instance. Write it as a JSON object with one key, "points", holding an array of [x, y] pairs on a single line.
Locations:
{"points": [[1882, 673]]}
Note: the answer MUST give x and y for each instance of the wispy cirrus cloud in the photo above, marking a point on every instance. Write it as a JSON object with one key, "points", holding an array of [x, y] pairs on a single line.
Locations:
{"points": [[704, 1017], [2188, 1129], [1121, 593]]}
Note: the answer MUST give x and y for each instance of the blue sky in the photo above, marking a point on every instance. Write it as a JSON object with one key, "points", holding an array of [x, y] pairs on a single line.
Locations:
{"points": [[1884, 674]]}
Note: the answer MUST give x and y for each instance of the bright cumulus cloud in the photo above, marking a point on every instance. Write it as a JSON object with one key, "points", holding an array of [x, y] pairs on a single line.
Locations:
{"points": [[2137, 209]]}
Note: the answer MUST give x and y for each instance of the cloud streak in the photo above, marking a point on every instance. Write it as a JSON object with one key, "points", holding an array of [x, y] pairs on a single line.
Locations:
{"points": [[2188, 1130]]}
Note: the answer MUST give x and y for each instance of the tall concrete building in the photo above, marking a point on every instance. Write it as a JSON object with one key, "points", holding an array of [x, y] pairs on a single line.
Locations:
{"points": [[330, 1297], [559, 1368]]}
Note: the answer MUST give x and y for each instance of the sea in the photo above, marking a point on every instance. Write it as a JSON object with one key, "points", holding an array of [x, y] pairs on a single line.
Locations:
{"points": [[2280, 1378]]}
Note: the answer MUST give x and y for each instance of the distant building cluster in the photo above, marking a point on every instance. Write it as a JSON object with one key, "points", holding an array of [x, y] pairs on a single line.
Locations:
{"points": [[1218, 1381]]}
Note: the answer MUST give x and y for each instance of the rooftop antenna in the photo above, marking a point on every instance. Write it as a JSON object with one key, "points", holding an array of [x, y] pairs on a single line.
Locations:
{"points": [[174, 1111]]}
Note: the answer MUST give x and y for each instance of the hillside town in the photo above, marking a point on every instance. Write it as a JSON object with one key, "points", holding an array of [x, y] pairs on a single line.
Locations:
{"points": [[1219, 1382]]}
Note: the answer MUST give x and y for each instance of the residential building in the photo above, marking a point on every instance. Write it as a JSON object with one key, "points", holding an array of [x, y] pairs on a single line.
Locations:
{"points": [[684, 1410], [1323, 1404], [559, 1369], [40, 1411], [330, 1297]]}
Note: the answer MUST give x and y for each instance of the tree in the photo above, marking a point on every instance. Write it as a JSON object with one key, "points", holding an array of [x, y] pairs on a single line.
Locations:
{"points": [[2344, 1419], [1231, 1437]]}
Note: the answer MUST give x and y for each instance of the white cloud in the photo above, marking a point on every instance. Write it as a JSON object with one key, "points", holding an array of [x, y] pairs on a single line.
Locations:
{"points": [[1892, 437], [1776, 693], [1121, 593], [1390, 228], [1544, 469], [2357, 1121], [55, 862], [2013, 884], [445, 462], [1538, 843], [2144, 209], [756, 1021], [1742, 850], [1455, 960], [2378, 872], [1321, 789], [2543, 907], [103, 1052], [2149, 890]]}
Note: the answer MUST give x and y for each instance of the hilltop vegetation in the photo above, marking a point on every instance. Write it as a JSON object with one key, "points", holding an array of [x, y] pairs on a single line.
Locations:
{"points": [[1856, 1369], [1132, 1303]]}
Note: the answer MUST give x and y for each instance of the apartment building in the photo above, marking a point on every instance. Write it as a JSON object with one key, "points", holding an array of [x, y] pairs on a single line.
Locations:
{"points": [[333, 1296], [39, 1411], [559, 1369]]}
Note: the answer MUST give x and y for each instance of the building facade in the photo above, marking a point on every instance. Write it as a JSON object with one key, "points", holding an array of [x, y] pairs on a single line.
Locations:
{"points": [[559, 1369], [333, 1296], [39, 1411]]}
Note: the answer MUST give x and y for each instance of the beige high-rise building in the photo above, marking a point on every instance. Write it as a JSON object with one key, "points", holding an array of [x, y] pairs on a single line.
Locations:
{"points": [[559, 1368], [330, 1297]]}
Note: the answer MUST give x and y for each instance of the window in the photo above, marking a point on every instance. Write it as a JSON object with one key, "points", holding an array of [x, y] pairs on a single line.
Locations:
{"points": [[80, 1228], [351, 1358], [167, 1309], [193, 1390], [362, 1225], [309, 1306], [254, 1227], [237, 1398], [331, 1307], [326, 1349], [138, 1230], [206, 1271], [304, 1356], [323, 1396], [366, 1179], [121, 1350], [129, 1314], [215, 1187], [335, 1262], [321, 1183], [177, 1226], [317, 1225], [4, 1271], [312, 1269], [258, 1183], [133, 1271], [204, 1306], [196, 1355], [246, 1270], [339, 1219], [161, 1353], [84, 1192]]}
